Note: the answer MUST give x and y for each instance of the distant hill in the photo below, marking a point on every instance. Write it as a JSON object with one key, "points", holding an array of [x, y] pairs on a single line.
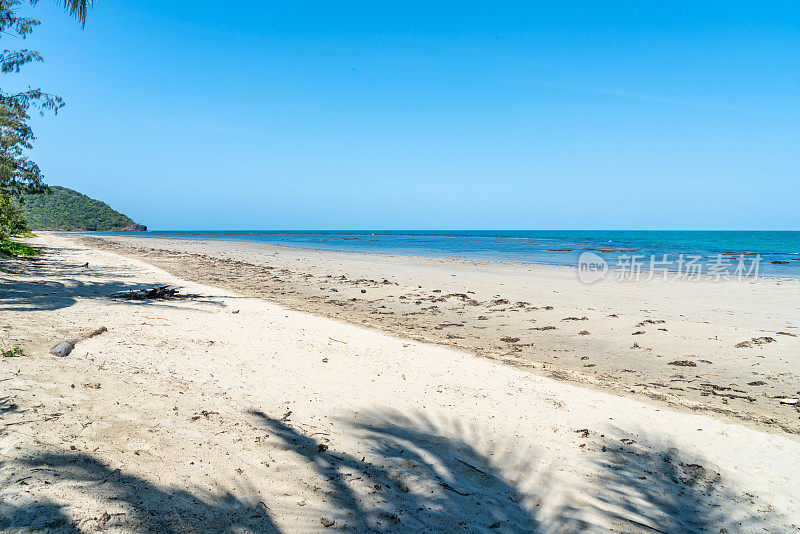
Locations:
{"points": [[65, 209]]}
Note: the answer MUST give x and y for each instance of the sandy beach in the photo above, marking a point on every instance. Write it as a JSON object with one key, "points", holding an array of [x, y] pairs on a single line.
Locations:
{"points": [[222, 412], [727, 347]]}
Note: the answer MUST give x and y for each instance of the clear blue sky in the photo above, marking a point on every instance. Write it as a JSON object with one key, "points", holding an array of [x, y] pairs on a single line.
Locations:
{"points": [[427, 115]]}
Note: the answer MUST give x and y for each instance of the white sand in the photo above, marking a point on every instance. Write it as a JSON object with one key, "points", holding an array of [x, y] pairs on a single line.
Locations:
{"points": [[214, 414], [673, 341]]}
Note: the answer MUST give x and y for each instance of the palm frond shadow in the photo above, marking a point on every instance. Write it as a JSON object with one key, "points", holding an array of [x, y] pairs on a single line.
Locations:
{"points": [[657, 488], [415, 479], [416, 473], [150, 508]]}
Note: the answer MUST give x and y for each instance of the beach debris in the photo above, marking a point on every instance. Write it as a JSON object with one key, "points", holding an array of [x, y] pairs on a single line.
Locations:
{"points": [[755, 341], [638, 333], [481, 471], [683, 363], [203, 413], [650, 321], [583, 333], [584, 318], [785, 334], [789, 401], [13, 352], [543, 328], [763, 340], [156, 293], [757, 383], [584, 432], [448, 487], [336, 340], [509, 339], [65, 347], [441, 326], [721, 391], [779, 262], [94, 333], [327, 521], [49, 417]]}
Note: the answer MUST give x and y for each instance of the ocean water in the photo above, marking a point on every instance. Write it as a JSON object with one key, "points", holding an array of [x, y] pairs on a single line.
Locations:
{"points": [[752, 253]]}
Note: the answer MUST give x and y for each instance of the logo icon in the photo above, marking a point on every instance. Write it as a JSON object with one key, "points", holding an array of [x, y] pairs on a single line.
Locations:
{"points": [[591, 268]]}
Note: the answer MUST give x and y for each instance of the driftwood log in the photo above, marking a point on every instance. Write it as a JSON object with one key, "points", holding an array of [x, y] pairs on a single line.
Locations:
{"points": [[158, 292], [65, 347]]}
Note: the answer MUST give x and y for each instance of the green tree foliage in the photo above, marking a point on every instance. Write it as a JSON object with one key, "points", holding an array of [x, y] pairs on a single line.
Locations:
{"points": [[78, 9], [19, 175], [65, 209], [12, 219]]}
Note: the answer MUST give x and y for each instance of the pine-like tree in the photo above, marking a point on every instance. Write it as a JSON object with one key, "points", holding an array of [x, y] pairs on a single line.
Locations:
{"points": [[18, 173]]}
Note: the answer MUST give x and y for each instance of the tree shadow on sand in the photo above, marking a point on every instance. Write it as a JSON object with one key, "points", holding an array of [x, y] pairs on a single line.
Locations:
{"points": [[413, 474], [7, 405], [410, 477], [29, 289], [422, 475], [43, 515], [148, 507], [652, 487]]}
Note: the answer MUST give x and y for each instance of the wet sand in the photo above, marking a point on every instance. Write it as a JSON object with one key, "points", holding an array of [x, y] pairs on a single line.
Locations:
{"points": [[728, 347]]}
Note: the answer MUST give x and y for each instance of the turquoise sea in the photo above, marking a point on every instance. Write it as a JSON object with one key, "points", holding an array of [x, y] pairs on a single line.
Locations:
{"points": [[776, 253]]}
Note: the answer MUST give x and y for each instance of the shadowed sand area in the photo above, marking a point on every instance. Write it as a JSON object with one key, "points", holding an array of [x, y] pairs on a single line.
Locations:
{"points": [[225, 413], [726, 347]]}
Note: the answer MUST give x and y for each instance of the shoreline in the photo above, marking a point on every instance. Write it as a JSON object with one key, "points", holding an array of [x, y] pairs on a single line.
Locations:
{"points": [[579, 333], [463, 259], [445, 256], [218, 411]]}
